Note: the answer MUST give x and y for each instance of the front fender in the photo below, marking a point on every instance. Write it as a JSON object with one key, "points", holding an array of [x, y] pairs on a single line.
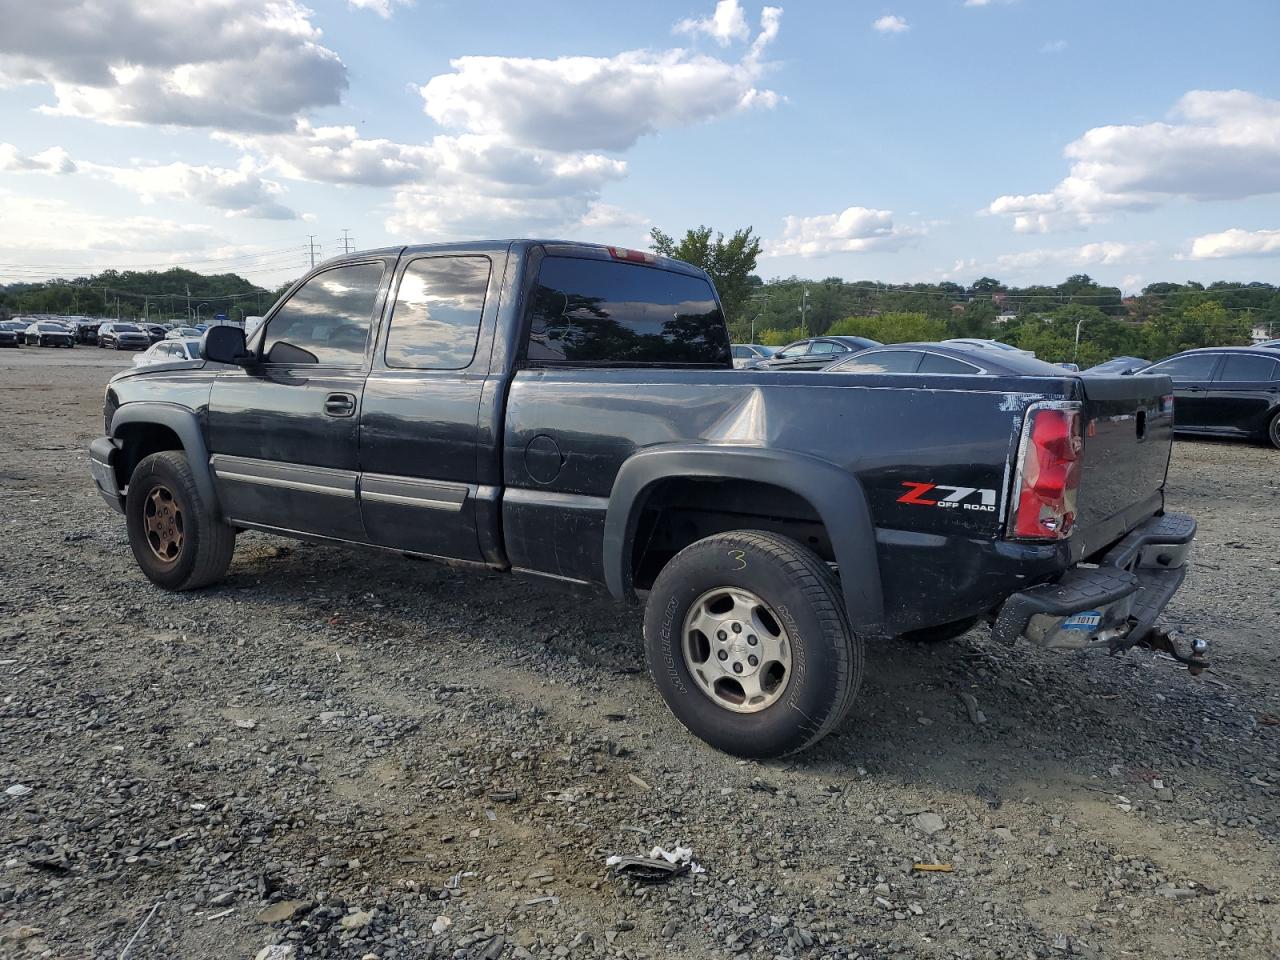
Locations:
{"points": [[183, 422], [834, 493]]}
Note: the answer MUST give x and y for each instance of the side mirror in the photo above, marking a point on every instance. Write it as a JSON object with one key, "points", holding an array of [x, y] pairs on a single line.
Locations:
{"points": [[225, 344]]}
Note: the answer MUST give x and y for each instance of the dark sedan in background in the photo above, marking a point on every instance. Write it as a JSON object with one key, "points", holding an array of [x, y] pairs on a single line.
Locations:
{"points": [[949, 358], [44, 333], [1225, 391], [11, 332], [815, 353], [123, 336]]}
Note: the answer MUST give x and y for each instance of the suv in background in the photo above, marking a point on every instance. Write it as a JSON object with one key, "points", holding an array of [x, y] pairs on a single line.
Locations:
{"points": [[123, 336], [1224, 391], [815, 353]]}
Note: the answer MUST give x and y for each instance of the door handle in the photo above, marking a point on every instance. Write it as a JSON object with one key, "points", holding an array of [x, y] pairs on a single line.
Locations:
{"points": [[339, 405]]}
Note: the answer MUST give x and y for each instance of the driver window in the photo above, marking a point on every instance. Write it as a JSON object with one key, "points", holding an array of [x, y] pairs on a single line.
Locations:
{"points": [[327, 321]]}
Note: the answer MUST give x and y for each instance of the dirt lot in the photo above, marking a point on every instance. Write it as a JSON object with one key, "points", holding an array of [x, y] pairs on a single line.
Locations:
{"points": [[351, 755]]}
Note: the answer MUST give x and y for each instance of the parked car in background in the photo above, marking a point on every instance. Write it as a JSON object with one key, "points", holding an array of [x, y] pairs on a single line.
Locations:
{"points": [[1272, 344], [154, 331], [945, 359], [183, 333], [1225, 391], [815, 353], [123, 336], [11, 332], [86, 331], [979, 344], [168, 351], [747, 354], [1121, 366], [46, 333]]}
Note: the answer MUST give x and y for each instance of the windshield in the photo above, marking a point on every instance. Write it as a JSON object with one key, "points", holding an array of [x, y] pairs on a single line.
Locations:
{"points": [[125, 328], [52, 328]]}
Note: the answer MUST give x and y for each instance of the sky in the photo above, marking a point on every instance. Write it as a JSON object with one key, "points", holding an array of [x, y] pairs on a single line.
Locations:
{"points": [[919, 140]]}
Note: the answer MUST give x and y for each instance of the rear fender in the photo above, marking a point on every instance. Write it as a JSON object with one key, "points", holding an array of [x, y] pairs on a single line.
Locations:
{"points": [[834, 493]]}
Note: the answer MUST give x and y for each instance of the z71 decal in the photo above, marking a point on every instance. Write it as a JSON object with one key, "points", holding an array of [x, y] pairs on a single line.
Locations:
{"points": [[957, 498]]}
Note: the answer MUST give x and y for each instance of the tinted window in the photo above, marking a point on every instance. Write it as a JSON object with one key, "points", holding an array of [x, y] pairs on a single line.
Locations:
{"points": [[741, 353], [327, 321], [193, 349], [937, 363], [826, 346], [795, 350], [437, 313], [593, 311], [1192, 366], [888, 361], [1242, 366]]}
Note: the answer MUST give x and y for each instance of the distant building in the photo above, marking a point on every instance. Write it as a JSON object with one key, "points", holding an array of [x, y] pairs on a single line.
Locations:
{"points": [[1004, 318]]}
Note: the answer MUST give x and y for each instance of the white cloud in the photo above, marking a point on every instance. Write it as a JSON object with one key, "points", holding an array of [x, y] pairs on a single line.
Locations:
{"points": [[854, 230], [37, 228], [382, 8], [1223, 145], [239, 193], [890, 23], [53, 160], [1053, 46], [1235, 243], [597, 103], [235, 64], [985, 3], [1104, 253], [727, 24]]}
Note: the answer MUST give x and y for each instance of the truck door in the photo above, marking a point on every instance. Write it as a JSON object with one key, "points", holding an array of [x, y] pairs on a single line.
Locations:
{"points": [[1243, 391], [283, 431], [421, 443]]}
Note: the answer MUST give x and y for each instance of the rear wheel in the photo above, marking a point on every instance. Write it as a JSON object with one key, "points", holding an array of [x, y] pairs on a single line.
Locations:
{"points": [[177, 540], [1273, 431], [747, 640]]}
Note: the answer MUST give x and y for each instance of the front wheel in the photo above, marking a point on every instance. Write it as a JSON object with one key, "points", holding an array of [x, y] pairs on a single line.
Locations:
{"points": [[178, 541], [747, 640]]}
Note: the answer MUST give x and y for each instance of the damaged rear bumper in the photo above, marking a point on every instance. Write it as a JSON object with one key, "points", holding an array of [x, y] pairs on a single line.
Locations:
{"points": [[1114, 602]]}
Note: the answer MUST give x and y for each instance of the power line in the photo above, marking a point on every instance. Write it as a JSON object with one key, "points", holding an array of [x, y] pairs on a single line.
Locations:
{"points": [[347, 243]]}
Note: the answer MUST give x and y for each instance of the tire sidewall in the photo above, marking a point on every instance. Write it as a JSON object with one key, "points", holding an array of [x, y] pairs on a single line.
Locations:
{"points": [[813, 690], [151, 472]]}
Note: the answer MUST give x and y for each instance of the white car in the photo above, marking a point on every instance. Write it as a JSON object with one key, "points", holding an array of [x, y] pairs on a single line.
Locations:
{"points": [[169, 351], [184, 333]]}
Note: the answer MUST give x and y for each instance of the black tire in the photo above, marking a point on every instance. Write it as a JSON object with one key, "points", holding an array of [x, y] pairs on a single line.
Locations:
{"points": [[942, 632], [803, 596], [207, 543], [1273, 431]]}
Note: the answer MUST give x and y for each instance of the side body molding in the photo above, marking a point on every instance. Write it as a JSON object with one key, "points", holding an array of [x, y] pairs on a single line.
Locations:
{"points": [[833, 492], [182, 421]]}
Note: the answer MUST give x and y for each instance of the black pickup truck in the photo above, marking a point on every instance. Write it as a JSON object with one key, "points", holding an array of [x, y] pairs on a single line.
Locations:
{"points": [[570, 412]]}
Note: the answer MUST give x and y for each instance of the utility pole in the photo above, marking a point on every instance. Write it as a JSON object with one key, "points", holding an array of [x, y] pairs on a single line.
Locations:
{"points": [[312, 247], [804, 309], [348, 244]]}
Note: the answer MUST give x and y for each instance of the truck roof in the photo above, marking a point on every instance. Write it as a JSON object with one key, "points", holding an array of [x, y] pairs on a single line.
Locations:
{"points": [[559, 248]]}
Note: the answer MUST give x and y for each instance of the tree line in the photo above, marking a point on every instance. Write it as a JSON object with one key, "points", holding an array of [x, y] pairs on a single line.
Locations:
{"points": [[1163, 319], [135, 294]]}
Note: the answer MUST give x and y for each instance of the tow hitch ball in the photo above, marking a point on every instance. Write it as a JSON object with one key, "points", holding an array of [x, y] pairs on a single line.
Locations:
{"points": [[1163, 641]]}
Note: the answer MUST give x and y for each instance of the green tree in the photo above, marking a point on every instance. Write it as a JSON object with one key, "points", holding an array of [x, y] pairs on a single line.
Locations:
{"points": [[892, 328], [730, 263]]}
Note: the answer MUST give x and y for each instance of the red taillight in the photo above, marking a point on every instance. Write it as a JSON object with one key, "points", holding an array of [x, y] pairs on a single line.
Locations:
{"points": [[1044, 492], [631, 256]]}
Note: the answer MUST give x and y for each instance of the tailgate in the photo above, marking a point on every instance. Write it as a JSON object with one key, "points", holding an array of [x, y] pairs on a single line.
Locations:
{"points": [[1128, 432]]}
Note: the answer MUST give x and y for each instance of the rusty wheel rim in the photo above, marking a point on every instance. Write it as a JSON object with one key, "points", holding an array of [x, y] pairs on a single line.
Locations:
{"points": [[162, 519]]}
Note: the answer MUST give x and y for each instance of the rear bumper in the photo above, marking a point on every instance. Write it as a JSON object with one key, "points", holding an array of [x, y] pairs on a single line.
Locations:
{"points": [[102, 454], [1115, 602]]}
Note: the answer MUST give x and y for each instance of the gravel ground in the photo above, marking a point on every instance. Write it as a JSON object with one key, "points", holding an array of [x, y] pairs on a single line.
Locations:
{"points": [[341, 754]]}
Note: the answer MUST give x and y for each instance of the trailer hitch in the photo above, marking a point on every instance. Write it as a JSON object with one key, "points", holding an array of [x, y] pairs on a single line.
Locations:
{"points": [[1163, 641]]}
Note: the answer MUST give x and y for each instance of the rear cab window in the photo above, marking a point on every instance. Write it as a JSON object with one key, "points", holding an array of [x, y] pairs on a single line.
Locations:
{"points": [[603, 313]]}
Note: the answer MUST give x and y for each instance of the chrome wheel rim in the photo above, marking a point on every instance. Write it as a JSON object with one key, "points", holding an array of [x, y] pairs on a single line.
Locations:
{"points": [[736, 650], [162, 519]]}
